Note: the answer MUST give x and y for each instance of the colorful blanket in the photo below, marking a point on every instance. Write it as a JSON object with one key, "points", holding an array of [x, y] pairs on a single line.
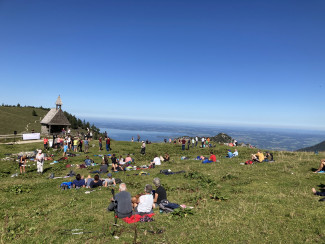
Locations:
{"points": [[136, 218]]}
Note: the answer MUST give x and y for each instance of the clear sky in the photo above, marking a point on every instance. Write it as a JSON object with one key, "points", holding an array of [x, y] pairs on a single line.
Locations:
{"points": [[252, 62]]}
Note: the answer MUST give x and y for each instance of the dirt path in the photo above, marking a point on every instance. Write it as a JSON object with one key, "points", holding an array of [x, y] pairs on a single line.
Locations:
{"points": [[23, 142]]}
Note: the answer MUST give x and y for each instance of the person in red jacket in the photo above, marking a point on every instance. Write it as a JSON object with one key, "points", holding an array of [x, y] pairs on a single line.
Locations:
{"points": [[213, 157]]}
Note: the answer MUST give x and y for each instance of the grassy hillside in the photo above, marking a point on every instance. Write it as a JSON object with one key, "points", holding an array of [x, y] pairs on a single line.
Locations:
{"points": [[265, 203], [17, 119]]}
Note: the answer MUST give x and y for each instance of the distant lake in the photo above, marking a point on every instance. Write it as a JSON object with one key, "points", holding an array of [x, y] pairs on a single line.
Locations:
{"points": [[265, 138]]}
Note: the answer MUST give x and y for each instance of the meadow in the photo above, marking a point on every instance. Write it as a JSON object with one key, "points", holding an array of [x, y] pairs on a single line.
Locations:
{"points": [[233, 203]]}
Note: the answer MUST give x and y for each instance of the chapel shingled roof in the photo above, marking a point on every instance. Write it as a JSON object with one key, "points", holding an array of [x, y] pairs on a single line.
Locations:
{"points": [[56, 116]]}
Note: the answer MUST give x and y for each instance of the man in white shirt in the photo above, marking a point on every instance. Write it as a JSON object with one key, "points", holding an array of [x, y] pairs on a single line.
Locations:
{"points": [[156, 161]]}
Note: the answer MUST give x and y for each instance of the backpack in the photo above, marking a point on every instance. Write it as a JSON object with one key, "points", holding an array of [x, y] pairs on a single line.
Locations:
{"points": [[167, 207], [249, 162], [118, 181]]}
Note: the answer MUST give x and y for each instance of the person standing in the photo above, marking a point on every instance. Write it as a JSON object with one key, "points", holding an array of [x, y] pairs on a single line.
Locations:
{"points": [[39, 161], [46, 143], [143, 148], [183, 143], [202, 140], [86, 143], [100, 141], [107, 143], [138, 138], [196, 140], [193, 141], [22, 164], [132, 139]]}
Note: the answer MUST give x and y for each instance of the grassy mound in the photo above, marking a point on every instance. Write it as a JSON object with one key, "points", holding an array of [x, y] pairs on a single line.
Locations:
{"points": [[17, 119], [233, 203]]}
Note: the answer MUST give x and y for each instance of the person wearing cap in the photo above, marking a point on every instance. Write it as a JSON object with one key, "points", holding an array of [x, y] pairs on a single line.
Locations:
{"points": [[109, 181], [229, 154], [39, 161]]}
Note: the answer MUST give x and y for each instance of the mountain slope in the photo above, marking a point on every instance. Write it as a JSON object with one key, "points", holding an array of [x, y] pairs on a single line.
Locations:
{"points": [[317, 147]]}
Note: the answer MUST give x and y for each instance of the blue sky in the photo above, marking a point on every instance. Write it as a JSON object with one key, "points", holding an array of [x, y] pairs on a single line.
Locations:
{"points": [[253, 63]]}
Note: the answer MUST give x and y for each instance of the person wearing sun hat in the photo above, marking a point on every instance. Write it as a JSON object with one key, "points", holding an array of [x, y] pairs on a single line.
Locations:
{"points": [[39, 161]]}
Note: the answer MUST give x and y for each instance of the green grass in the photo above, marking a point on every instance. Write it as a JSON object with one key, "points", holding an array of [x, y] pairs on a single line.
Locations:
{"points": [[17, 118], [260, 203]]}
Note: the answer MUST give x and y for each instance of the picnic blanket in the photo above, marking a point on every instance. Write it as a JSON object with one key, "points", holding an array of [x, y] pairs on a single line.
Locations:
{"points": [[136, 218]]}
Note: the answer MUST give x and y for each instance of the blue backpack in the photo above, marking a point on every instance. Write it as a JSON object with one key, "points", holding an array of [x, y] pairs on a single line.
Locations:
{"points": [[66, 185]]}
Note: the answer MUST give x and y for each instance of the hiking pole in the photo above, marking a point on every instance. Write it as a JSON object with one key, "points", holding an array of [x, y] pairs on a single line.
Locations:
{"points": [[113, 194]]}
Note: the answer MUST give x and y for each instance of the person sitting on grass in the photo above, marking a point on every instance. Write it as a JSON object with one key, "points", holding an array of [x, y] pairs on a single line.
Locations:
{"points": [[128, 159], [88, 161], [321, 168], [144, 203], [166, 157], [110, 181], [156, 161], [115, 165], [229, 154], [211, 159], [160, 192], [258, 157], [96, 182], [78, 182], [235, 154], [121, 203], [268, 157]]}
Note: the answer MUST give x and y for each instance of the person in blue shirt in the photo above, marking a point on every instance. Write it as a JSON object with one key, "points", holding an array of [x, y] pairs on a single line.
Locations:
{"points": [[65, 149], [229, 154], [88, 161]]}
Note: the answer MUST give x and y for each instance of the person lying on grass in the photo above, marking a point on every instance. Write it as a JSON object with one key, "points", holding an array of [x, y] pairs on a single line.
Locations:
{"points": [[211, 159], [143, 203], [78, 182], [121, 203], [96, 182], [318, 193], [321, 166]]}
